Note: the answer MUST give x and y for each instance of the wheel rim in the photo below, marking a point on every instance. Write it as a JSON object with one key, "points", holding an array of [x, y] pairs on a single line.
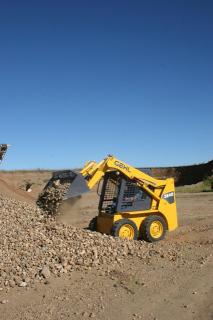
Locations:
{"points": [[126, 231], [156, 229]]}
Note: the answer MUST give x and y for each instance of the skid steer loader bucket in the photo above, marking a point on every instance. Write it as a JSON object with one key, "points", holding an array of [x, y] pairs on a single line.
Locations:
{"points": [[77, 186], [62, 186]]}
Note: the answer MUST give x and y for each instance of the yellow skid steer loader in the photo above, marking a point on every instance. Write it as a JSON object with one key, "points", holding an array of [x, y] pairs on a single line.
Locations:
{"points": [[132, 204]]}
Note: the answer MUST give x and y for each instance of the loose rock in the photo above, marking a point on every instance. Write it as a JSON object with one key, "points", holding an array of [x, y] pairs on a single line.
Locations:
{"points": [[45, 272]]}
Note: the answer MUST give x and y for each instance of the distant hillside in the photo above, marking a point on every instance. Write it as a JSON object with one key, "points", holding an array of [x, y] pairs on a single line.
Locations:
{"points": [[185, 175]]}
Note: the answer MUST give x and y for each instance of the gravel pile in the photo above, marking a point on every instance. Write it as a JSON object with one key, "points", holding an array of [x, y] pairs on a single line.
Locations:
{"points": [[34, 247]]}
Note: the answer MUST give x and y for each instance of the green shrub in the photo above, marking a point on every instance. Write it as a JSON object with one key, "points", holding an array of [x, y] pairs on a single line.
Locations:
{"points": [[208, 183]]}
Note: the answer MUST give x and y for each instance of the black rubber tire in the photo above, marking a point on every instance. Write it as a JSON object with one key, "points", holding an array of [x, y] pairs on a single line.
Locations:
{"points": [[93, 224], [118, 224], [145, 228]]}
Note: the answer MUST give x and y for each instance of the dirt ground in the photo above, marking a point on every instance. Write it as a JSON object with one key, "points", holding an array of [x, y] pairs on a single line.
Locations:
{"points": [[158, 288]]}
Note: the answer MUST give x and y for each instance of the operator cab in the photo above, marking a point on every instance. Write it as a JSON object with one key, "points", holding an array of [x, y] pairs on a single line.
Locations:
{"points": [[120, 194]]}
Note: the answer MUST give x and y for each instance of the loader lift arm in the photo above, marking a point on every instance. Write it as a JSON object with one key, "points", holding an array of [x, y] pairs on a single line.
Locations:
{"points": [[93, 172]]}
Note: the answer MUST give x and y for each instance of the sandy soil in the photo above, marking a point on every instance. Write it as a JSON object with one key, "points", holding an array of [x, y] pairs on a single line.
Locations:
{"points": [[158, 289]]}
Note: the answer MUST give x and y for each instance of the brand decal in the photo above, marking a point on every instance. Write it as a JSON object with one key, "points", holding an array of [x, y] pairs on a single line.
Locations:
{"points": [[122, 165]]}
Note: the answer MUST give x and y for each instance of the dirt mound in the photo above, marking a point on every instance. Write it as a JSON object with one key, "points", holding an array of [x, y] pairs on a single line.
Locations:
{"points": [[33, 247], [9, 190], [13, 183]]}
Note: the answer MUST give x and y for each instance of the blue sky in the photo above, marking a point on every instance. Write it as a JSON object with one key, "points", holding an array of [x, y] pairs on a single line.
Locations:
{"points": [[82, 79]]}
